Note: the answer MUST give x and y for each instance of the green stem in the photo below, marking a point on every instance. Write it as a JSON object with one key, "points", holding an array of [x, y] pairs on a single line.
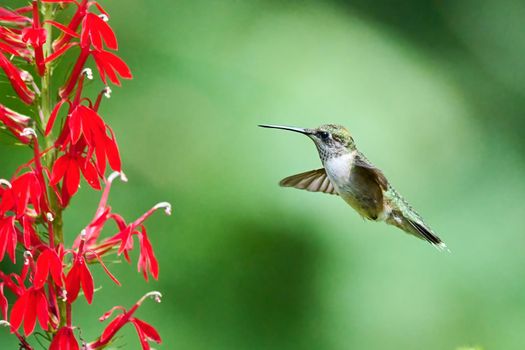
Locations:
{"points": [[46, 108]]}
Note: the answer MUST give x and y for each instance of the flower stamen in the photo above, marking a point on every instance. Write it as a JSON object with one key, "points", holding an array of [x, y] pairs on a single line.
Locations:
{"points": [[107, 92], [88, 73], [5, 183], [165, 205], [155, 295], [28, 132]]}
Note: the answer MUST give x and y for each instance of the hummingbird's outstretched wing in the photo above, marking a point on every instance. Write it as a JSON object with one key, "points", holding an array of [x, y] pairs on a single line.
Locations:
{"points": [[313, 181]]}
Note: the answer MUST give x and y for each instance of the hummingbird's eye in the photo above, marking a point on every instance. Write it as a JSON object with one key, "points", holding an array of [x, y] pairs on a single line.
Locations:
{"points": [[323, 135]]}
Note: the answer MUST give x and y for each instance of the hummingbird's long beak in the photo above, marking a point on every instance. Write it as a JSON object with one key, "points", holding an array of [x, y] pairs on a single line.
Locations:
{"points": [[289, 128]]}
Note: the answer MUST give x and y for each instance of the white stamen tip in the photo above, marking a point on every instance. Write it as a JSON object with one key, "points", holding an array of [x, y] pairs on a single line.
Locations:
{"points": [[116, 174], [83, 234], [28, 132], [155, 295], [5, 183], [104, 17], [63, 295], [50, 217], [4, 323], [123, 177], [107, 92], [165, 205], [27, 257], [26, 76], [88, 73]]}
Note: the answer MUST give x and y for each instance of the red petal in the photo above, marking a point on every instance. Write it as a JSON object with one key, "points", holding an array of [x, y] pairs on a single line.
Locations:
{"points": [[142, 337], [72, 177], [56, 268], [64, 29], [11, 238], [109, 63], [113, 278], [112, 152], [100, 152], [73, 283], [18, 311], [42, 310], [42, 270], [75, 123], [112, 327], [148, 330], [105, 31], [30, 314], [59, 169], [64, 340], [62, 50], [90, 174], [53, 117], [87, 282], [13, 74]]}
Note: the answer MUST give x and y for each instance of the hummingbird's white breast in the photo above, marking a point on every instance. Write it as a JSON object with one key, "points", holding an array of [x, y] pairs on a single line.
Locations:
{"points": [[338, 170]]}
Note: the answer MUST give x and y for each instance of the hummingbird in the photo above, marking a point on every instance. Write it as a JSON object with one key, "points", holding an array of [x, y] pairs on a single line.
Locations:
{"points": [[348, 173]]}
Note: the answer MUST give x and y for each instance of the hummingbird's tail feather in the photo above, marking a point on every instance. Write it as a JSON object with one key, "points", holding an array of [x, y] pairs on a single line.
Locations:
{"points": [[417, 229], [428, 235]]}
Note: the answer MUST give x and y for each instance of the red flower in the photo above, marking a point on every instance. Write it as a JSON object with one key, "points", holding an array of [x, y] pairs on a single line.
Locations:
{"points": [[32, 304], [48, 263], [73, 25], [147, 261], [14, 76], [36, 36], [11, 42], [145, 331], [24, 190], [12, 17], [64, 340], [68, 168], [14, 122], [95, 30], [109, 64], [79, 276]]}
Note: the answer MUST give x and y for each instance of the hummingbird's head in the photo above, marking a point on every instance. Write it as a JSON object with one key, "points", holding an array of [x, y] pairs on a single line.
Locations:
{"points": [[331, 140]]}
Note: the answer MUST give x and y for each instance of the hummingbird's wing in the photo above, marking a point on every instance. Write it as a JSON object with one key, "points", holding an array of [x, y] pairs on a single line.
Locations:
{"points": [[313, 181], [368, 187]]}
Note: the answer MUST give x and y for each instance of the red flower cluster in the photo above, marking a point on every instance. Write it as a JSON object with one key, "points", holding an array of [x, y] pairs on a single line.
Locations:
{"points": [[52, 275]]}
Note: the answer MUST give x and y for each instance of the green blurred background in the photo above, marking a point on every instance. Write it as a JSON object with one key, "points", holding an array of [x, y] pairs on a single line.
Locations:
{"points": [[433, 92]]}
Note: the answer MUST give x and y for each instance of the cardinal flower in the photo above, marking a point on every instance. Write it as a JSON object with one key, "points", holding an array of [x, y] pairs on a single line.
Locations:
{"points": [[145, 331], [14, 122], [32, 304], [25, 189], [68, 168], [36, 36], [79, 276], [64, 340], [48, 263], [15, 78], [96, 31]]}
